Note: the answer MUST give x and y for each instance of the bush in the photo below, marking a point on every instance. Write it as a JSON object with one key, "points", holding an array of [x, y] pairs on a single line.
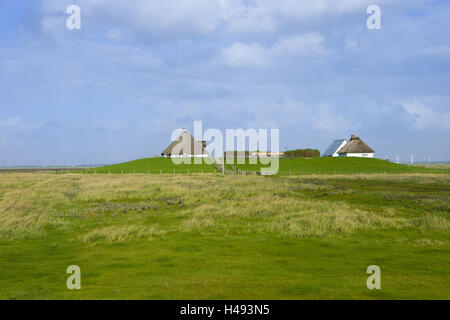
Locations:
{"points": [[306, 153]]}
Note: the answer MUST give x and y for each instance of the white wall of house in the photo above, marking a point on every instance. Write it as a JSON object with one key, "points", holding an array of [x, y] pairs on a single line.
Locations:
{"points": [[359, 155]]}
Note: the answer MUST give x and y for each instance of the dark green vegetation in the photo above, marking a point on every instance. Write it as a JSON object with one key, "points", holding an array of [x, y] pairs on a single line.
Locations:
{"points": [[308, 153], [205, 236]]}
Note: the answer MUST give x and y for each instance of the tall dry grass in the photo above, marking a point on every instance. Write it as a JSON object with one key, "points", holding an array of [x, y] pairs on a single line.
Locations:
{"points": [[31, 204]]}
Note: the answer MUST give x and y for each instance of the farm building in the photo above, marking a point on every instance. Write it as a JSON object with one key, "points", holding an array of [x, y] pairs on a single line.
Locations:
{"points": [[186, 146], [353, 148]]}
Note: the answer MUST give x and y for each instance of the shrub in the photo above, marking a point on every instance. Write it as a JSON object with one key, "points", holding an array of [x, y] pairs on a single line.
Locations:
{"points": [[306, 153]]}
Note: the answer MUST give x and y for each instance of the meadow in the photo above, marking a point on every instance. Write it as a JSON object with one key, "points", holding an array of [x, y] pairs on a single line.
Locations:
{"points": [[207, 236], [152, 166], [330, 165], [287, 166]]}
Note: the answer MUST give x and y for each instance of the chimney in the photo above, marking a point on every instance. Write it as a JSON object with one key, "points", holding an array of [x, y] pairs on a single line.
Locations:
{"points": [[353, 137]]}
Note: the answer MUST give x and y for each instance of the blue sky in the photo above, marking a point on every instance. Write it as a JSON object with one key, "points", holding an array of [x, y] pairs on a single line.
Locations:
{"points": [[116, 89]]}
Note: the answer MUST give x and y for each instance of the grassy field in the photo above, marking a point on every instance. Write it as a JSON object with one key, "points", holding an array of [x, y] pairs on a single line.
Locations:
{"points": [[444, 166], [287, 166], [206, 236], [154, 165], [330, 165]]}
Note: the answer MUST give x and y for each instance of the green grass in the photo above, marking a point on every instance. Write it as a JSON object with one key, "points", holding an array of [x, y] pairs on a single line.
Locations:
{"points": [[330, 165], [154, 165], [286, 166], [234, 237]]}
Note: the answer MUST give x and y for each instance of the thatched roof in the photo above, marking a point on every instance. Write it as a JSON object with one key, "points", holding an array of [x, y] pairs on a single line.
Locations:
{"points": [[185, 144], [356, 145]]}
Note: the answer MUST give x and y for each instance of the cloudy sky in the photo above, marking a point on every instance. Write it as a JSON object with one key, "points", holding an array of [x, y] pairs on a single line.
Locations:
{"points": [[136, 70]]}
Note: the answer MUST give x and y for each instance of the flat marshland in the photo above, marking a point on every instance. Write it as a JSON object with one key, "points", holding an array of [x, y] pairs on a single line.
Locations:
{"points": [[206, 236]]}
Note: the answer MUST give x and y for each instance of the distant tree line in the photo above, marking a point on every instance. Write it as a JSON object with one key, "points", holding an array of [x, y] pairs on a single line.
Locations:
{"points": [[305, 153]]}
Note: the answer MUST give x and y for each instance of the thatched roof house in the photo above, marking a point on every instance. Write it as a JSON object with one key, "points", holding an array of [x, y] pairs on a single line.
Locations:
{"points": [[356, 148], [186, 146]]}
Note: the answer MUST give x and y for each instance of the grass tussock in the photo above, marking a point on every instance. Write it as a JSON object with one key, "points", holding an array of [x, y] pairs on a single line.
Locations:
{"points": [[333, 221], [198, 224], [429, 222]]}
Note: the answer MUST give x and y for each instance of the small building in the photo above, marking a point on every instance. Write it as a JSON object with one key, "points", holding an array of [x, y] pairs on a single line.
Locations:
{"points": [[356, 148], [353, 148], [186, 146], [332, 150]]}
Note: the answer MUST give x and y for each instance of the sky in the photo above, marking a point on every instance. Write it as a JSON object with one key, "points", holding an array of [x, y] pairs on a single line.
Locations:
{"points": [[115, 89]]}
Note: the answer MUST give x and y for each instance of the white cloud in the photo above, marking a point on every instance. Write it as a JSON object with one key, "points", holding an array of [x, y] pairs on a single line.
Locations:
{"points": [[245, 55], [156, 18], [326, 119], [255, 55], [169, 17], [300, 45], [241, 17], [425, 116], [268, 15]]}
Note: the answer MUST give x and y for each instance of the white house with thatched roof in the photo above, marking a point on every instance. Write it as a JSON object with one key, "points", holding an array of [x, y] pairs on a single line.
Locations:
{"points": [[353, 148], [185, 146]]}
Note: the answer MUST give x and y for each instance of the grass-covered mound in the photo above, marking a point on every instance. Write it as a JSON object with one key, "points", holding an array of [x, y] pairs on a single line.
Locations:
{"points": [[339, 166], [287, 166], [154, 165]]}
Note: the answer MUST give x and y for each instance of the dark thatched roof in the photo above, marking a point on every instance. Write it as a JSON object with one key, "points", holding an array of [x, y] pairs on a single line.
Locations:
{"points": [[356, 145]]}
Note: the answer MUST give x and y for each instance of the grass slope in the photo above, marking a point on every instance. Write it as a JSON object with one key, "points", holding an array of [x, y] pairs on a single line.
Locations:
{"points": [[287, 166], [330, 165], [233, 237], [154, 165]]}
